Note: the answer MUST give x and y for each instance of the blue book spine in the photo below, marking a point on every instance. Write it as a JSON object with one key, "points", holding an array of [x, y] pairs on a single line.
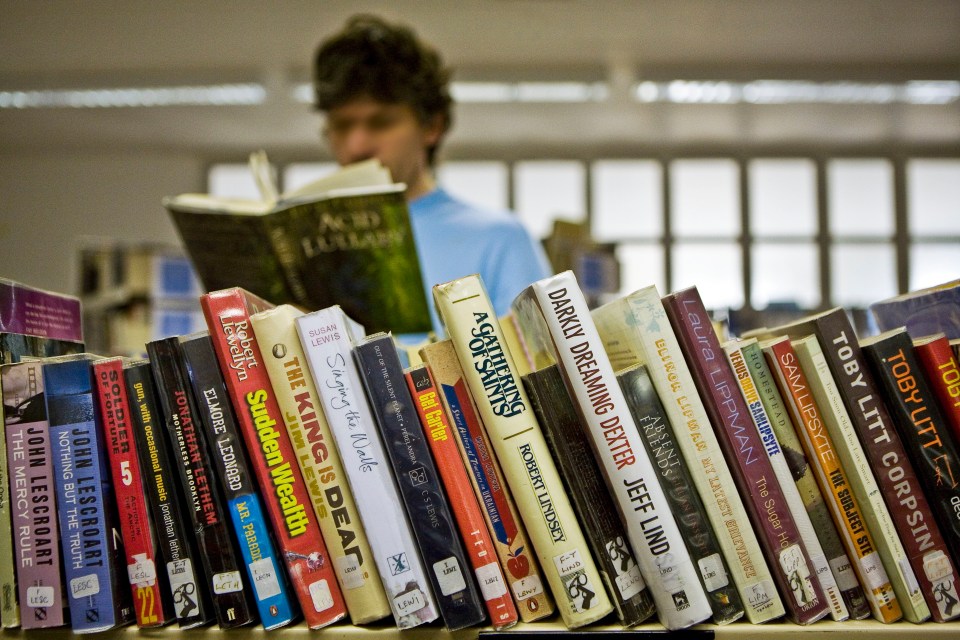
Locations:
{"points": [[83, 486], [232, 469]]}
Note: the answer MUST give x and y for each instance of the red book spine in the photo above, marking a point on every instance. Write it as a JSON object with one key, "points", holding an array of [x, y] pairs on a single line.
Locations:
{"points": [[745, 452], [272, 456], [940, 367], [152, 605], [463, 502]]}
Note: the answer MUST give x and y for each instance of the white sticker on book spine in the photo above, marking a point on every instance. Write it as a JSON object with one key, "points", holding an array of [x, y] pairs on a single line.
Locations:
{"points": [[628, 579], [581, 593], [142, 572], [712, 571], [320, 595], [409, 602], [873, 571], [794, 565], [227, 582], [490, 578], [936, 566], [183, 584], [348, 568], [760, 595], [630, 583], [266, 581], [449, 576], [526, 587], [40, 597], [843, 573], [83, 586]]}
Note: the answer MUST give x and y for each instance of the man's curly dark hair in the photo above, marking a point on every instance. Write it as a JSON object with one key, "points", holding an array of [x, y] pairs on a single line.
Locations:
{"points": [[386, 62]]}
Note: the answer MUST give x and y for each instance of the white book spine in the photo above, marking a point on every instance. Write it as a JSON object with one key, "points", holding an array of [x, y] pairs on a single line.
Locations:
{"points": [[636, 328], [854, 460], [522, 451], [838, 610], [327, 340], [653, 533]]}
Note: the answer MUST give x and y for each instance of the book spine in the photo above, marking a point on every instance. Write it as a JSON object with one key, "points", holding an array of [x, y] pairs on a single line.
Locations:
{"points": [[32, 494], [555, 309], [661, 444], [924, 432], [589, 494], [326, 340], [151, 594], [177, 550], [454, 587], [635, 329], [855, 462], [517, 558], [744, 450], [320, 463], [9, 602], [748, 387], [844, 502], [803, 476], [518, 443], [943, 374], [896, 477], [88, 526], [36, 312], [205, 509], [441, 440], [295, 526], [241, 498]]}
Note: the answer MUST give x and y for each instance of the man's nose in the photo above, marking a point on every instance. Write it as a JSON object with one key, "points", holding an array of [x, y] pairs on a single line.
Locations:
{"points": [[359, 144]]}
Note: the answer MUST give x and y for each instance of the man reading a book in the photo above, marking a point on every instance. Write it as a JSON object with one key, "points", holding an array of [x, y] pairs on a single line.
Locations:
{"points": [[385, 95]]}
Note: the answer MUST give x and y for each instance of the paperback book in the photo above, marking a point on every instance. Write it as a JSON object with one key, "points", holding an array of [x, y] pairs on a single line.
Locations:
{"points": [[555, 324], [940, 365], [518, 443]]}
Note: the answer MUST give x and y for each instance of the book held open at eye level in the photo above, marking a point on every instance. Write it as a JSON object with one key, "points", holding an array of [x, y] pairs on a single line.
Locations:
{"points": [[345, 239]]}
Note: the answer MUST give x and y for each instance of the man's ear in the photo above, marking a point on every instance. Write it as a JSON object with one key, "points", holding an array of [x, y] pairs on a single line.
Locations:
{"points": [[434, 130]]}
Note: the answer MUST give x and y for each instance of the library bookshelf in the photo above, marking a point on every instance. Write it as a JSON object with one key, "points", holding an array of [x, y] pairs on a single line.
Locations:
{"points": [[555, 630]]}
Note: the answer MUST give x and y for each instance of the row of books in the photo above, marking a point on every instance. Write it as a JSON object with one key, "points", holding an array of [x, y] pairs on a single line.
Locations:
{"points": [[559, 459]]}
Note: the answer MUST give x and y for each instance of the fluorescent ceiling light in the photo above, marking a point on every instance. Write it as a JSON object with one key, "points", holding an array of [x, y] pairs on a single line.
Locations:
{"points": [[506, 92], [764, 92], [202, 95]]}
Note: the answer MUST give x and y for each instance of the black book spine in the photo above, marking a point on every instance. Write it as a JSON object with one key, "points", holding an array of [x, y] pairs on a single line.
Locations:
{"points": [[222, 565], [440, 546], [589, 494], [177, 550], [660, 442]]}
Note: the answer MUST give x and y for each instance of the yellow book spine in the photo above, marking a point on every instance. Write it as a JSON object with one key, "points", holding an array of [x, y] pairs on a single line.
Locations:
{"points": [[320, 463], [519, 444]]}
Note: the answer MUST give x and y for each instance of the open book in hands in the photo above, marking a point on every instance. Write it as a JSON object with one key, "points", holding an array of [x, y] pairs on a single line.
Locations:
{"points": [[344, 239]]}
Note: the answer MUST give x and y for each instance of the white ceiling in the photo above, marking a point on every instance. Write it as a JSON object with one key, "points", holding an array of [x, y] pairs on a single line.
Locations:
{"points": [[97, 43]]}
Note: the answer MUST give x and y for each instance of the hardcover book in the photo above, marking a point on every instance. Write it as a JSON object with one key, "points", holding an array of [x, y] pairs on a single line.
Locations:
{"points": [[294, 522], [479, 546], [177, 550], [97, 585], [320, 463], [744, 451], [635, 329], [13, 346], [870, 419], [454, 586], [322, 245], [659, 440], [588, 492], [37, 537], [804, 477], [152, 604], [527, 583], [851, 518], [751, 395], [327, 337], [924, 432], [854, 459], [923, 312], [228, 459], [555, 325], [942, 371], [518, 443], [222, 563]]}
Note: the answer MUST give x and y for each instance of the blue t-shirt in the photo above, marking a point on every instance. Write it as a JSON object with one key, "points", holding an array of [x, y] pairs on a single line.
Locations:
{"points": [[456, 239]]}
